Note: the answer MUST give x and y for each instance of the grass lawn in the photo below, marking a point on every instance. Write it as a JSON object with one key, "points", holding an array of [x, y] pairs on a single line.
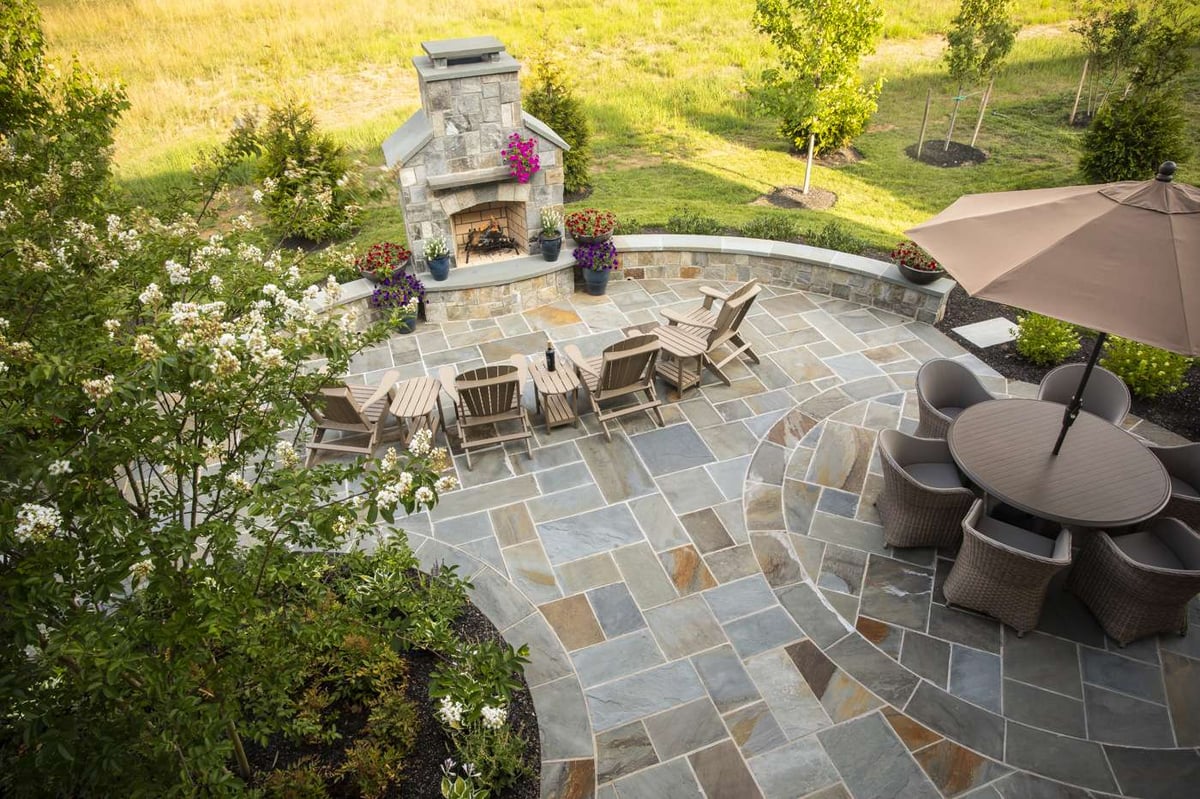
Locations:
{"points": [[663, 83]]}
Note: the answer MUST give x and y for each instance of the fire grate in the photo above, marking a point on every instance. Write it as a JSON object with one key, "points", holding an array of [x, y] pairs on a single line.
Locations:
{"points": [[490, 239]]}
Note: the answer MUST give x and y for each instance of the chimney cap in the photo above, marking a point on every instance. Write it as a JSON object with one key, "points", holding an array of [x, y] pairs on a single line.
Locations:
{"points": [[475, 48]]}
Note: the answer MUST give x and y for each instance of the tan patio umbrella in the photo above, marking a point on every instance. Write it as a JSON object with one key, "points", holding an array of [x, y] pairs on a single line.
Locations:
{"points": [[1122, 258]]}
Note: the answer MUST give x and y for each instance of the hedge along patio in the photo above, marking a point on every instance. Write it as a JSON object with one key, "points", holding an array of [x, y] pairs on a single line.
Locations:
{"points": [[710, 605]]}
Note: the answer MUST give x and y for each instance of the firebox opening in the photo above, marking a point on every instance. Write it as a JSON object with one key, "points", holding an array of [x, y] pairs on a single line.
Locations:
{"points": [[490, 232]]}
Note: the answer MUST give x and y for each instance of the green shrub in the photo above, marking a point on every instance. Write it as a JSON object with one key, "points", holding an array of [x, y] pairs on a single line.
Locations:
{"points": [[834, 236], [692, 223], [307, 189], [551, 100], [498, 755], [1045, 341], [301, 781], [1131, 136], [1148, 371], [627, 226], [393, 721], [373, 767], [771, 226]]}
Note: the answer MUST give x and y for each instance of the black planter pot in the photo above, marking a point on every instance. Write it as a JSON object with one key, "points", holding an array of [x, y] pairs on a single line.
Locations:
{"points": [[551, 248], [596, 282], [920, 276]]}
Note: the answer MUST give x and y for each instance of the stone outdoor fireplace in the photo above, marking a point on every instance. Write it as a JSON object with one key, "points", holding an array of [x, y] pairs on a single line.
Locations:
{"points": [[452, 177]]}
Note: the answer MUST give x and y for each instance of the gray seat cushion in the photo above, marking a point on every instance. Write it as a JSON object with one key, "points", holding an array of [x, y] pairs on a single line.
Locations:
{"points": [[1179, 488], [951, 411], [1016, 537], [935, 475], [1146, 548]]}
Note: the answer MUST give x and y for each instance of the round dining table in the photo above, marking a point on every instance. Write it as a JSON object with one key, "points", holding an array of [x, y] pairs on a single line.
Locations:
{"points": [[1102, 477]]}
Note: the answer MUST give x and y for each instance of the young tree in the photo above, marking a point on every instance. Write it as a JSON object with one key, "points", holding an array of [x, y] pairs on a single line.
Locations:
{"points": [[981, 36], [1167, 35], [1111, 35], [816, 90], [1132, 135], [552, 100]]}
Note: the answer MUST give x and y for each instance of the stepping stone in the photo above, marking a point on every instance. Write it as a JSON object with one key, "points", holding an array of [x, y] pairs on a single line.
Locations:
{"points": [[989, 332]]}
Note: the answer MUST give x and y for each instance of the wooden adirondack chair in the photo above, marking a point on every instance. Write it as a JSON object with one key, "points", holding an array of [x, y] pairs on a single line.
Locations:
{"points": [[486, 398], [715, 330], [359, 413], [623, 369]]}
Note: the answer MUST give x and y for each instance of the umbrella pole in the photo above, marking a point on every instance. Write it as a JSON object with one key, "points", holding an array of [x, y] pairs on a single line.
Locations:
{"points": [[1077, 401]]}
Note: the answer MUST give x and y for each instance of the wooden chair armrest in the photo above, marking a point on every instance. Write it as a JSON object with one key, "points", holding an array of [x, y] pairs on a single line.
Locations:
{"points": [[576, 357], [522, 364], [676, 318], [712, 293], [446, 376], [386, 384]]}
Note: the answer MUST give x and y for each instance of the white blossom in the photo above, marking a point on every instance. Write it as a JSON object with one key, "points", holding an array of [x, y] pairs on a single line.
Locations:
{"points": [[446, 483], [99, 389], [112, 326], [36, 522], [141, 570], [238, 483], [450, 712], [216, 283], [60, 467], [177, 273], [146, 348], [421, 441], [286, 454], [424, 494], [151, 296], [494, 717]]}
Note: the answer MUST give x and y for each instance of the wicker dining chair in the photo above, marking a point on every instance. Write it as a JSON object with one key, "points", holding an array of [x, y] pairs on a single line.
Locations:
{"points": [[1003, 570], [924, 499], [1183, 467], [945, 388], [1140, 584], [1106, 395]]}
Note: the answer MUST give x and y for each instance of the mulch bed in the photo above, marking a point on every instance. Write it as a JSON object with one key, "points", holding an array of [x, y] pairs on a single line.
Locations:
{"points": [[935, 152], [794, 197], [423, 765], [1179, 412]]}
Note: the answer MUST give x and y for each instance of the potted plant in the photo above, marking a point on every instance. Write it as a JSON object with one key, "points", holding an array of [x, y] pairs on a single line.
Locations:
{"points": [[437, 255], [597, 260], [522, 161], [591, 225], [915, 264], [382, 260], [401, 295], [551, 235]]}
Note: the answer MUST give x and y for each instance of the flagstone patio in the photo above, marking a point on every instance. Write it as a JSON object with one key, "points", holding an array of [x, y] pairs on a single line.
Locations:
{"points": [[712, 610]]}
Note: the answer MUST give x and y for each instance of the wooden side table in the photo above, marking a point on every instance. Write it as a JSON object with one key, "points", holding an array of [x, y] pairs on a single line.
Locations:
{"points": [[682, 347], [413, 403], [550, 393]]}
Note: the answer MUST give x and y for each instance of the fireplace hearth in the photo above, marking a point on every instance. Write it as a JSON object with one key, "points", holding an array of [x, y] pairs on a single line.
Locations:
{"points": [[490, 239]]}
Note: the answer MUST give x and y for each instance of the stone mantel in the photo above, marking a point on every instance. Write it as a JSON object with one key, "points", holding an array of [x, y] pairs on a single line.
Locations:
{"points": [[470, 177]]}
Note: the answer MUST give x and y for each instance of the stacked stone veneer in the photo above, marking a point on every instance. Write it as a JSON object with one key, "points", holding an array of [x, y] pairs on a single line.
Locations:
{"points": [[849, 277], [448, 153]]}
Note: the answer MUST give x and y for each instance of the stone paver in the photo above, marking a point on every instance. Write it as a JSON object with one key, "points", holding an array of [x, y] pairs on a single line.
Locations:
{"points": [[712, 609]]}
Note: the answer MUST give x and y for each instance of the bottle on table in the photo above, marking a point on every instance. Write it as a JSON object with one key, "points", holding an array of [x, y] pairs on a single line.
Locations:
{"points": [[549, 356]]}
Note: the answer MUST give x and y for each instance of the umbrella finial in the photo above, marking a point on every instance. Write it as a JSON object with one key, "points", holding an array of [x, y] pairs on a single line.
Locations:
{"points": [[1166, 172]]}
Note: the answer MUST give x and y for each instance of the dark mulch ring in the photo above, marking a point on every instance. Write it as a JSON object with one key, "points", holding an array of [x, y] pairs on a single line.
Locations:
{"points": [[576, 196], [936, 153], [423, 765], [1179, 412], [794, 197]]}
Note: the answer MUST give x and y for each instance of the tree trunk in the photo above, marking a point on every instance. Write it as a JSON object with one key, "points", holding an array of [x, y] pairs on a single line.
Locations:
{"points": [[924, 122], [953, 117], [812, 140]]}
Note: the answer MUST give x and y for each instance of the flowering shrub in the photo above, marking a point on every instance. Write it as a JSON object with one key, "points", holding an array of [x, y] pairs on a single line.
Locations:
{"points": [[600, 256], [591, 222], [383, 259], [521, 157], [1148, 371], [907, 253], [1045, 341]]}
